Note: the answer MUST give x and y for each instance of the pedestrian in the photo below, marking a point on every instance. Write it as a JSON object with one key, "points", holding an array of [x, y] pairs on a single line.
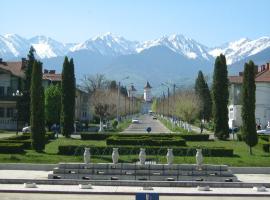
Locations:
{"points": [[201, 127]]}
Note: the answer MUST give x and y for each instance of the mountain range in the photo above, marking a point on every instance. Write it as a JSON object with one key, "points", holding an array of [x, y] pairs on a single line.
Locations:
{"points": [[169, 59]]}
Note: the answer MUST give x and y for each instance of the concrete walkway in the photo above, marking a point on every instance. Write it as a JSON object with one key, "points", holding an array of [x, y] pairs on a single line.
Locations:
{"points": [[146, 121]]}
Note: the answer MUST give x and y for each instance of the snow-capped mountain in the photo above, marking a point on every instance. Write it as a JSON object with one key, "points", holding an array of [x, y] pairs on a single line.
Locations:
{"points": [[241, 49], [179, 44], [47, 48], [107, 44]]}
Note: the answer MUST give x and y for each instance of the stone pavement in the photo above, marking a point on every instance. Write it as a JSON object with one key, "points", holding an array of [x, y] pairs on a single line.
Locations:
{"points": [[125, 190], [146, 121], [34, 196]]}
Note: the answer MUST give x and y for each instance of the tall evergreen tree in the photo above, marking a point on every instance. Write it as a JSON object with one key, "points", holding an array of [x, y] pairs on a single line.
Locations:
{"points": [[202, 90], [248, 106], [52, 104], [37, 108], [68, 97], [25, 100], [220, 98]]}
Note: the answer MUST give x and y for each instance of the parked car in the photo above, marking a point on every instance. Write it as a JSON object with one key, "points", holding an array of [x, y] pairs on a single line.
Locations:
{"points": [[26, 129], [135, 121], [154, 117], [264, 131]]}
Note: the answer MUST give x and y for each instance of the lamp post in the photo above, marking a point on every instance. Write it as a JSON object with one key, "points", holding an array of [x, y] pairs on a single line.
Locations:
{"points": [[118, 103], [17, 94], [168, 90]]}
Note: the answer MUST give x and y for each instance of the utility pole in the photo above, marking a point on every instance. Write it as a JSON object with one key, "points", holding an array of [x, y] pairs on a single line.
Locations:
{"points": [[163, 104], [118, 102], [168, 101]]}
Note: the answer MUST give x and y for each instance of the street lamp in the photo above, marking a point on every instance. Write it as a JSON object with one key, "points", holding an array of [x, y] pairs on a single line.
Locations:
{"points": [[118, 104], [168, 96], [17, 94]]}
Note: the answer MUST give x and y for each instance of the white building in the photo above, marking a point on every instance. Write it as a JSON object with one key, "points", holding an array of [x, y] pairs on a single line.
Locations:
{"points": [[262, 111], [147, 93]]}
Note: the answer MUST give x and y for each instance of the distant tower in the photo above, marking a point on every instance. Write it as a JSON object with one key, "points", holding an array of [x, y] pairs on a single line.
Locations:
{"points": [[147, 93], [131, 91]]}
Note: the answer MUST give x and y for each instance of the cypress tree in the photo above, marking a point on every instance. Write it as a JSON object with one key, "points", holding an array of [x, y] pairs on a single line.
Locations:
{"points": [[25, 101], [68, 97], [248, 106], [220, 98], [202, 90], [37, 108]]}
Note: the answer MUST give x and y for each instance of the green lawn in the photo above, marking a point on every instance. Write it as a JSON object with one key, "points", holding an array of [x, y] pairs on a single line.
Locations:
{"points": [[241, 158]]}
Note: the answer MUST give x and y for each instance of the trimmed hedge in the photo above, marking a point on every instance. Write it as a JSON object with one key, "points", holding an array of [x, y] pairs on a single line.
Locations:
{"points": [[161, 136], [195, 137], [26, 143], [95, 136], [11, 148], [145, 141], [266, 147], [129, 150]]}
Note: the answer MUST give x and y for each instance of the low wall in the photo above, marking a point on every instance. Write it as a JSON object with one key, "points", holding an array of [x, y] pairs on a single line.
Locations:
{"points": [[27, 166]]}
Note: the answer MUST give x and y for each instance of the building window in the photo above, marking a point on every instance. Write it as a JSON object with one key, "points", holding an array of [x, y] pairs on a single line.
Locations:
{"points": [[10, 112], [2, 112], [2, 91], [9, 91]]}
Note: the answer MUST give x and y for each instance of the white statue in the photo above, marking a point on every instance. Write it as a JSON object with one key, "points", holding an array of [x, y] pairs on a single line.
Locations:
{"points": [[142, 156], [86, 155], [115, 155], [199, 157], [169, 156]]}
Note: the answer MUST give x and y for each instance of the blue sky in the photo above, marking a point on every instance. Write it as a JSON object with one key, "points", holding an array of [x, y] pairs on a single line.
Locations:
{"points": [[211, 22]]}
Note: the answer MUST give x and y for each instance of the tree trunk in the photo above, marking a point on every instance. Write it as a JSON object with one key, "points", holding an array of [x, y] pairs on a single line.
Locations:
{"points": [[250, 150], [101, 125]]}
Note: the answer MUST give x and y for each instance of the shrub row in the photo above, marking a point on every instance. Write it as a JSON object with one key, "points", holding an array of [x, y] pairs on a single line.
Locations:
{"points": [[145, 141], [161, 136], [129, 150], [26, 143], [11, 148], [195, 137], [95, 136]]}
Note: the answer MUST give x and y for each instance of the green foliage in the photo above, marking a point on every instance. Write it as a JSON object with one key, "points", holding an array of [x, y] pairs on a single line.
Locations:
{"points": [[266, 147], [53, 104], [220, 94], [248, 106], [130, 150], [195, 137], [114, 124], [37, 108], [154, 106], [11, 148], [95, 136], [68, 97], [23, 103], [202, 90], [145, 141]]}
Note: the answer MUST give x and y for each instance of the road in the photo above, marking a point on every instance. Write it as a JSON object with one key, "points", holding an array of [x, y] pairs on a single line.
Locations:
{"points": [[146, 121]]}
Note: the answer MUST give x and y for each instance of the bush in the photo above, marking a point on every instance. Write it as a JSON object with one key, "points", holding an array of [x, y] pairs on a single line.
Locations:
{"points": [[95, 136], [11, 148], [114, 124], [114, 140], [264, 137], [195, 137], [266, 147], [239, 137], [26, 143], [50, 135], [131, 150]]}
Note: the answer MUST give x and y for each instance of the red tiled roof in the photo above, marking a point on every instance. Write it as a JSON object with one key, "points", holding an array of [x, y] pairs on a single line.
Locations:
{"points": [[52, 77], [263, 76], [15, 68], [235, 79]]}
